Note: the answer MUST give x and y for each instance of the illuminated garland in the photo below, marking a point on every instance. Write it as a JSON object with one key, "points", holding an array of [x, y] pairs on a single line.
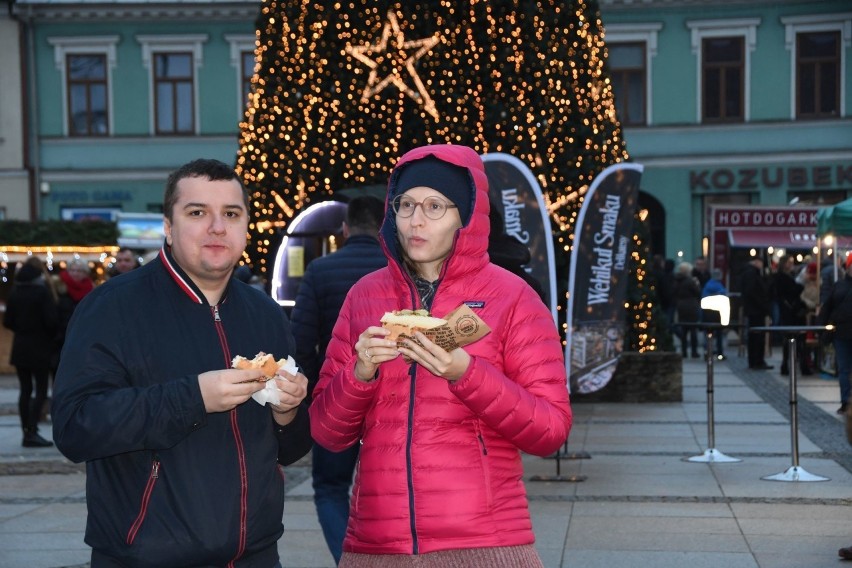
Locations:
{"points": [[519, 77], [341, 91]]}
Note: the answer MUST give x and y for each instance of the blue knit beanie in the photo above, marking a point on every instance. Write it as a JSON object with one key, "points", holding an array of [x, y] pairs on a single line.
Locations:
{"points": [[452, 181]]}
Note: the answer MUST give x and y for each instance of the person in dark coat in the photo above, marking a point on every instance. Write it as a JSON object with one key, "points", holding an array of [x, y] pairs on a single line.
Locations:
{"points": [[687, 299], [757, 307], [318, 301], [715, 287], [700, 271], [182, 461], [837, 310], [791, 311], [31, 314], [508, 252]]}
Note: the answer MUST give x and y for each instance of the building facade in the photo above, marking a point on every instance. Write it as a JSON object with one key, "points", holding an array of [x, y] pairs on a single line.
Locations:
{"points": [[16, 195], [121, 93], [734, 105], [725, 102]]}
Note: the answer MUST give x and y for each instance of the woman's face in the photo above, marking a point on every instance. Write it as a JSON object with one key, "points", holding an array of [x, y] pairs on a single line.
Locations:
{"points": [[427, 242], [77, 272]]}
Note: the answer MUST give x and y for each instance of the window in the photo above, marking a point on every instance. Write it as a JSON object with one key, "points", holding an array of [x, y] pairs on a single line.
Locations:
{"points": [[173, 88], [722, 64], [627, 72], [723, 49], [87, 94], [631, 49], [85, 65], [173, 62], [818, 75], [242, 59], [818, 45]]}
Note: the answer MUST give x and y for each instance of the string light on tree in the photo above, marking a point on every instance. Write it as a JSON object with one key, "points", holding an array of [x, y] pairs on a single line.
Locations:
{"points": [[342, 89], [397, 58]]}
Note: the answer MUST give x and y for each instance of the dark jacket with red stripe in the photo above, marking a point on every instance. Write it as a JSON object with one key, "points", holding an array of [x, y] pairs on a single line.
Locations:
{"points": [[169, 484]]}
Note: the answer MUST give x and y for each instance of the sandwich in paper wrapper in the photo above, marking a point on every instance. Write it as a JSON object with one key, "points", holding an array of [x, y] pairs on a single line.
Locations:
{"points": [[270, 367], [458, 328]]}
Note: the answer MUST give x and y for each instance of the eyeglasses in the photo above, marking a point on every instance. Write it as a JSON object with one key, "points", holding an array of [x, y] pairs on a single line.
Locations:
{"points": [[433, 207]]}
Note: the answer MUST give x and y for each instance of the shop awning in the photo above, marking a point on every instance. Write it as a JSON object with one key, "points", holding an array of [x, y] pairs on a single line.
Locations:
{"points": [[781, 238]]}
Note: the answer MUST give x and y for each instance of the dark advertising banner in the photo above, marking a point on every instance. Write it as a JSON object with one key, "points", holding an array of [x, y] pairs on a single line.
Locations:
{"points": [[517, 195], [598, 281]]}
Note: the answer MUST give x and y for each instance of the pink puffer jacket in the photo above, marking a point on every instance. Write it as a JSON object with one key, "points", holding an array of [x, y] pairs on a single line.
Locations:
{"points": [[440, 463]]}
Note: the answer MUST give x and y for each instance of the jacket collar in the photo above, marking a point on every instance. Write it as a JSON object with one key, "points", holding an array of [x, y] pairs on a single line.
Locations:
{"points": [[183, 281]]}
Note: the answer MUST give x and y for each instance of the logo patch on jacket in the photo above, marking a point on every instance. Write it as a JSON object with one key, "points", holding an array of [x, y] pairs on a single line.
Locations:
{"points": [[474, 304]]}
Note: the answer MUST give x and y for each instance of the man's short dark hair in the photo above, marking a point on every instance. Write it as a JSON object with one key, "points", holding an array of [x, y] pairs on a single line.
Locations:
{"points": [[213, 170], [365, 213]]}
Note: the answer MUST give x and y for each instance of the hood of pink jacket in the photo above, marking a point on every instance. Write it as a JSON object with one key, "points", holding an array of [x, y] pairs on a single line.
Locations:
{"points": [[470, 251]]}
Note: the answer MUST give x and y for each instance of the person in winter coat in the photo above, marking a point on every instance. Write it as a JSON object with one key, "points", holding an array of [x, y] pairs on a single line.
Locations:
{"points": [[182, 465], [77, 279], [756, 307], [792, 311], [837, 310], [508, 252], [32, 316], [438, 481], [687, 299], [715, 287], [807, 277], [318, 302]]}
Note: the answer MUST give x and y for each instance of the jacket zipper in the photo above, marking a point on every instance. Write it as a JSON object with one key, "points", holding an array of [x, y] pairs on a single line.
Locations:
{"points": [[241, 456], [146, 498], [409, 431], [486, 471], [409, 434]]}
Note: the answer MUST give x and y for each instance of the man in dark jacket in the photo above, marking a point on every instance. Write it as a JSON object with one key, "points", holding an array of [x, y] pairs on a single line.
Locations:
{"points": [[318, 302], [837, 310], [755, 298], [181, 465]]}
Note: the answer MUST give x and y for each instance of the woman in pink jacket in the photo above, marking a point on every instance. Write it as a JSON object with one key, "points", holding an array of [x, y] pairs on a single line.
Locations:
{"points": [[439, 480]]}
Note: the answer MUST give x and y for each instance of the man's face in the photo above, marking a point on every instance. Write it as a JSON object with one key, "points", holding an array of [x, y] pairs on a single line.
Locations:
{"points": [[124, 261], [700, 264], [207, 232]]}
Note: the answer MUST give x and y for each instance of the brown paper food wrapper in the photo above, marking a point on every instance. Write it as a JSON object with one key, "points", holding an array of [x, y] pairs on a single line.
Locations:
{"points": [[463, 327]]}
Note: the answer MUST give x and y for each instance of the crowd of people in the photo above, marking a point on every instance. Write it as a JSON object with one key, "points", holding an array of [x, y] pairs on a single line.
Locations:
{"points": [[785, 294]]}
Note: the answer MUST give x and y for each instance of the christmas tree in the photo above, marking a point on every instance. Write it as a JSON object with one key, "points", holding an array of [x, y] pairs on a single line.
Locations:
{"points": [[647, 322], [342, 90]]}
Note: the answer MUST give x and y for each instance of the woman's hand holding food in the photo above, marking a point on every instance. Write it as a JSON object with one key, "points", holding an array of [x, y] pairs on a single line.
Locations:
{"points": [[373, 349], [449, 365]]}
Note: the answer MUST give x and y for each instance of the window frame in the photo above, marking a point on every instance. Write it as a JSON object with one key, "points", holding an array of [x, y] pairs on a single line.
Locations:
{"points": [[721, 67], [173, 83], [63, 46], [644, 33], [626, 72], [703, 29], [153, 45], [795, 25], [240, 45]]}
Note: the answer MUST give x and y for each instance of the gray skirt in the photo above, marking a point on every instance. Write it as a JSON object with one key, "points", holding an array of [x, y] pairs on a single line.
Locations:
{"points": [[497, 557]]}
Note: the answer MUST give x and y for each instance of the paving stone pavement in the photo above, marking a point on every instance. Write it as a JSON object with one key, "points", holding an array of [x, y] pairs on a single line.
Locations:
{"points": [[640, 505]]}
